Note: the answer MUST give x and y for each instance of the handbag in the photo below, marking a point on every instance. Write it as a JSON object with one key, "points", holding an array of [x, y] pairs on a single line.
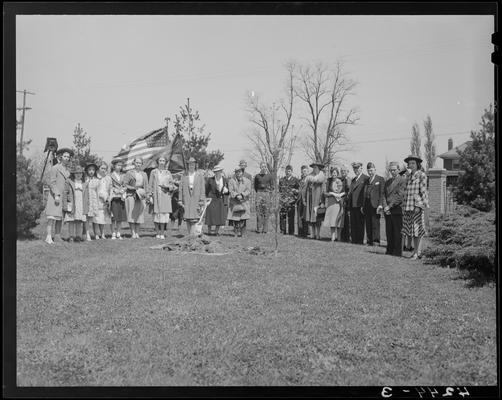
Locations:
{"points": [[321, 211], [238, 208]]}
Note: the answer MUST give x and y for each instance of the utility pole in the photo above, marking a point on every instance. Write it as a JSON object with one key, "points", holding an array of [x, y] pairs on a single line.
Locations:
{"points": [[23, 109]]}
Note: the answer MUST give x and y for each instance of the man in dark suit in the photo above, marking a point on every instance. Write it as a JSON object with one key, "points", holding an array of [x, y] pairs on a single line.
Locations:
{"points": [[373, 197], [303, 228], [356, 202], [393, 198], [344, 177], [288, 190]]}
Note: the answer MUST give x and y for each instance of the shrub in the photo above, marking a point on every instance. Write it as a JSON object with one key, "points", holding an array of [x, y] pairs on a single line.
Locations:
{"points": [[29, 199], [465, 240]]}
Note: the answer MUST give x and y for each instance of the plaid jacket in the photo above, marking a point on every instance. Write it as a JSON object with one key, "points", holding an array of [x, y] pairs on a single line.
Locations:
{"points": [[416, 192]]}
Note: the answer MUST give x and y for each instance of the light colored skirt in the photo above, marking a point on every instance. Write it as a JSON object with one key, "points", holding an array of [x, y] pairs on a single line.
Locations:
{"points": [[161, 218], [135, 209], [100, 217], [334, 214], [78, 212]]}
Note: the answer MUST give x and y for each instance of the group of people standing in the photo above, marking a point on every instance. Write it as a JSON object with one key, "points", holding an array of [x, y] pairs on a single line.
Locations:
{"points": [[90, 198], [352, 206]]}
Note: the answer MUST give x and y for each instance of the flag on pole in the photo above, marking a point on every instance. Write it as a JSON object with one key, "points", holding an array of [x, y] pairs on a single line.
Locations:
{"points": [[143, 147], [173, 153], [151, 146]]}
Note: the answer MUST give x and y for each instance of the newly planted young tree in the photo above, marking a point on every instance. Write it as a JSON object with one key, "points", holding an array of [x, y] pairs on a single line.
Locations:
{"points": [[272, 139]]}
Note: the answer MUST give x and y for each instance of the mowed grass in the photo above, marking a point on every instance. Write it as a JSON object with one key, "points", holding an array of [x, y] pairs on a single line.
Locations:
{"points": [[119, 313]]}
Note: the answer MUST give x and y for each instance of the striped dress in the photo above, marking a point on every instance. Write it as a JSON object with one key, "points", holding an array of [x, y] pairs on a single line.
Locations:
{"points": [[415, 196]]}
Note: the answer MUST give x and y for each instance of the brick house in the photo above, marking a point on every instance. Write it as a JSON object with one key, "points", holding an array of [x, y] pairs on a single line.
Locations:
{"points": [[451, 162]]}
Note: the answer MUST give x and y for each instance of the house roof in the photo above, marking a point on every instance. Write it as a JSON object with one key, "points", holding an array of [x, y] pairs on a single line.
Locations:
{"points": [[453, 154]]}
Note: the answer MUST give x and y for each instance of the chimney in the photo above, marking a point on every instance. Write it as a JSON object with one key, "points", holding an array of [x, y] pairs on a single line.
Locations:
{"points": [[450, 143]]}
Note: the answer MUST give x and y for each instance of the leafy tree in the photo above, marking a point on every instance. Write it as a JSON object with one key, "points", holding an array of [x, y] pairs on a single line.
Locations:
{"points": [[416, 141], [429, 146], [29, 199], [476, 186], [82, 148], [195, 143]]}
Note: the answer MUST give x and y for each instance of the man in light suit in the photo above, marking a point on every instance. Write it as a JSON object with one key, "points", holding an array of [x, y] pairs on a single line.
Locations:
{"points": [[373, 197], [394, 190], [355, 201]]}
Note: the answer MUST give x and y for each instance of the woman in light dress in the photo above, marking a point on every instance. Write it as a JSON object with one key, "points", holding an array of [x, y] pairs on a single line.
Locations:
{"points": [[76, 202], [136, 184], [333, 200], [117, 198], [99, 188], [161, 187]]}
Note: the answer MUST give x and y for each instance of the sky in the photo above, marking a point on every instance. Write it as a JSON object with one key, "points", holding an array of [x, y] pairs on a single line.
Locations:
{"points": [[121, 76]]}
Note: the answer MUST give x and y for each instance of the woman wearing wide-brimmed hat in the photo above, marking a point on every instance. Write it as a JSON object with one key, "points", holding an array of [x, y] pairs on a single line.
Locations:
{"points": [[136, 184], [161, 187], [217, 191], [192, 195], [76, 202], [116, 197], [315, 189], [416, 199], [58, 175], [239, 209]]}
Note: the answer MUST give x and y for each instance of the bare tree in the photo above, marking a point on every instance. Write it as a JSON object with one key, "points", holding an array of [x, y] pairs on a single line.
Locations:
{"points": [[324, 92], [429, 146], [416, 141], [272, 138]]}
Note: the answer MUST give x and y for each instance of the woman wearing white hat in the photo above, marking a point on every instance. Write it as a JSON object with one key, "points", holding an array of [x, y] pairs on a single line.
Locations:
{"points": [[216, 189]]}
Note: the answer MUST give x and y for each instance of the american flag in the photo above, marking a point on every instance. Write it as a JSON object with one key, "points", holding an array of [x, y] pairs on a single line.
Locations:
{"points": [[144, 147]]}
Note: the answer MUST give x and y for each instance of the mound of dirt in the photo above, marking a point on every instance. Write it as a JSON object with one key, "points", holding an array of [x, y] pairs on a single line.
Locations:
{"points": [[201, 244]]}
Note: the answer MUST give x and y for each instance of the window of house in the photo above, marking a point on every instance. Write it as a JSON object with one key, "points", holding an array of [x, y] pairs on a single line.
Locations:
{"points": [[456, 164]]}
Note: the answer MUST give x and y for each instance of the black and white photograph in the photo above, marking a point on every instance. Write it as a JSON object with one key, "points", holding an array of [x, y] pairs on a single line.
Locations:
{"points": [[242, 200]]}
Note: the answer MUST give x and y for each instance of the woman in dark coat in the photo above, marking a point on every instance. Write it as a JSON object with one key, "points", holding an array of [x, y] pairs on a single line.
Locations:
{"points": [[216, 212]]}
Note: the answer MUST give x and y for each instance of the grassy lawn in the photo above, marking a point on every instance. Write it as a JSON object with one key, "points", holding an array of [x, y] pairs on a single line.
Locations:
{"points": [[119, 313]]}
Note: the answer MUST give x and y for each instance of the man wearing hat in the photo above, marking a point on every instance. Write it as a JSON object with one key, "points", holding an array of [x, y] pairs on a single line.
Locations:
{"points": [[355, 201], [58, 175], [288, 190], [392, 207], [243, 165]]}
